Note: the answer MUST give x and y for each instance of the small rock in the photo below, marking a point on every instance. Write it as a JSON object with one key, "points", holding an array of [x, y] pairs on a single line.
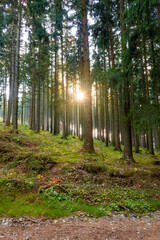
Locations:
{"points": [[121, 216], [28, 238]]}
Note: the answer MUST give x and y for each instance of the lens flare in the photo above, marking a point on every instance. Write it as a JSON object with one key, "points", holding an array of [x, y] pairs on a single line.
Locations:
{"points": [[80, 96]]}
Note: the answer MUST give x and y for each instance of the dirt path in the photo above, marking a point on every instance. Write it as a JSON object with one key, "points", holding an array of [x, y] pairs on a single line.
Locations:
{"points": [[83, 227]]}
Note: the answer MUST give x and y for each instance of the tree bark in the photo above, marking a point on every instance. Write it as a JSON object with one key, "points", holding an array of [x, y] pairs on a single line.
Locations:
{"points": [[88, 139], [56, 114], [43, 105], [149, 128], [12, 75], [4, 96], [128, 154], [16, 80], [106, 100], [33, 94], [39, 90], [47, 102], [63, 91], [112, 118]]}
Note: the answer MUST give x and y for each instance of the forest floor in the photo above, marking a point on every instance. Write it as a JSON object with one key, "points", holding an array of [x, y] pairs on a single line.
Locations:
{"points": [[72, 194], [81, 226]]}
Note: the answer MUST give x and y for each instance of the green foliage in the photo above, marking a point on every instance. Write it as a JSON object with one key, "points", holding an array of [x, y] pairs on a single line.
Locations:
{"points": [[46, 175], [94, 169]]}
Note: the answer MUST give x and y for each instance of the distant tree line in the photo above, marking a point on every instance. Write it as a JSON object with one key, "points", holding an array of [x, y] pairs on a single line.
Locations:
{"points": [[42, 76]]}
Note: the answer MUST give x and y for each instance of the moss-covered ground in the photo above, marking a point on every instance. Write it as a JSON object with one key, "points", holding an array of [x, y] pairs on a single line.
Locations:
{"points": [[42, 175]]}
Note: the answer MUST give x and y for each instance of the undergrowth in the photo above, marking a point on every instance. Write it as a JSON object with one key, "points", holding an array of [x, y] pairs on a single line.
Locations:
{"points": [[45, 175]]}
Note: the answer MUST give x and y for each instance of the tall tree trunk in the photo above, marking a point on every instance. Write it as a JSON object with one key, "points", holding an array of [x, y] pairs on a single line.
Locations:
{"points": [[33, 95], [155, 93], [112, 118], [47, 102], [115, 95], [4, 96], [128, 154], [16, 80], [102, 113], [12, 75], [39, 90], [22, 105], [67, 106], [106, 100], [135, 134], [121, 116], [88, 139], [56, 115], [63, 95], [149, 128], [43, 105], [96, 112], [107, 117], [51, 99]]}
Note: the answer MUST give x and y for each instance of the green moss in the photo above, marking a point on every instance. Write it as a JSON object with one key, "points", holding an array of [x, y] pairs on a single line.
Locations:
{"points": [[28, 206], [14, 186], [94, 169], [97, 183]]}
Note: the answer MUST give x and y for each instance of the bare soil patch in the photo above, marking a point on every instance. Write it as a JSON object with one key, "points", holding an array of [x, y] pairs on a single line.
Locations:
{"points": [[81, 226]]}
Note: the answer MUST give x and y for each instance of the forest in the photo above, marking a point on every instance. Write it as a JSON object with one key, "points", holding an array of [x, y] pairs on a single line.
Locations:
{"points": [[48, 83], [79, 92]]}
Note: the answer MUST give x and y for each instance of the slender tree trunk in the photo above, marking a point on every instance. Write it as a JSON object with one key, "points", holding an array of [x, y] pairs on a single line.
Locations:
{"points": [[22, 105], [33, 95], [112, 118], [56, 115], [63, 95], [88, 142], [107, 117], [135, 134], [51, 100], [155, 92], [96, 112], [12, 75], [43, 105], [115, 95], [116, 114], [128, 154], [106, 100], [121, 116], [4, 97], [102, 112], [47, 102], [149, 128], [39, 91], [16, 80], [33, 127]]}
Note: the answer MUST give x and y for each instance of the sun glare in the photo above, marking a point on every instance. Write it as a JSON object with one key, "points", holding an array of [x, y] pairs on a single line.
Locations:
{"points": [[80, 96]]}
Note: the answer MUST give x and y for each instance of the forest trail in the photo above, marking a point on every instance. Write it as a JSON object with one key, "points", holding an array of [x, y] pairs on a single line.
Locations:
{"points": [[81, 226]]}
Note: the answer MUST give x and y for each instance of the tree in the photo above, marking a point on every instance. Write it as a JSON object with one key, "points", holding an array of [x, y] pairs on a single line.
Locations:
{"points": [[88, 139], [16, 79], [128, 154]]}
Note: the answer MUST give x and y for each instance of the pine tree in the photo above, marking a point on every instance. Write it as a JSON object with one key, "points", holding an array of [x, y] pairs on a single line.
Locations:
{"points": [[88, 139]]}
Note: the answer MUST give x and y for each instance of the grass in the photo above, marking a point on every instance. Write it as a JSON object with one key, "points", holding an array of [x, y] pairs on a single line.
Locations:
{"points": [[42, 175]]}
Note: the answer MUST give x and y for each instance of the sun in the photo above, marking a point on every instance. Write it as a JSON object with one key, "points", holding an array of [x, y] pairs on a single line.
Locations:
{"points": [[80, 96]]}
